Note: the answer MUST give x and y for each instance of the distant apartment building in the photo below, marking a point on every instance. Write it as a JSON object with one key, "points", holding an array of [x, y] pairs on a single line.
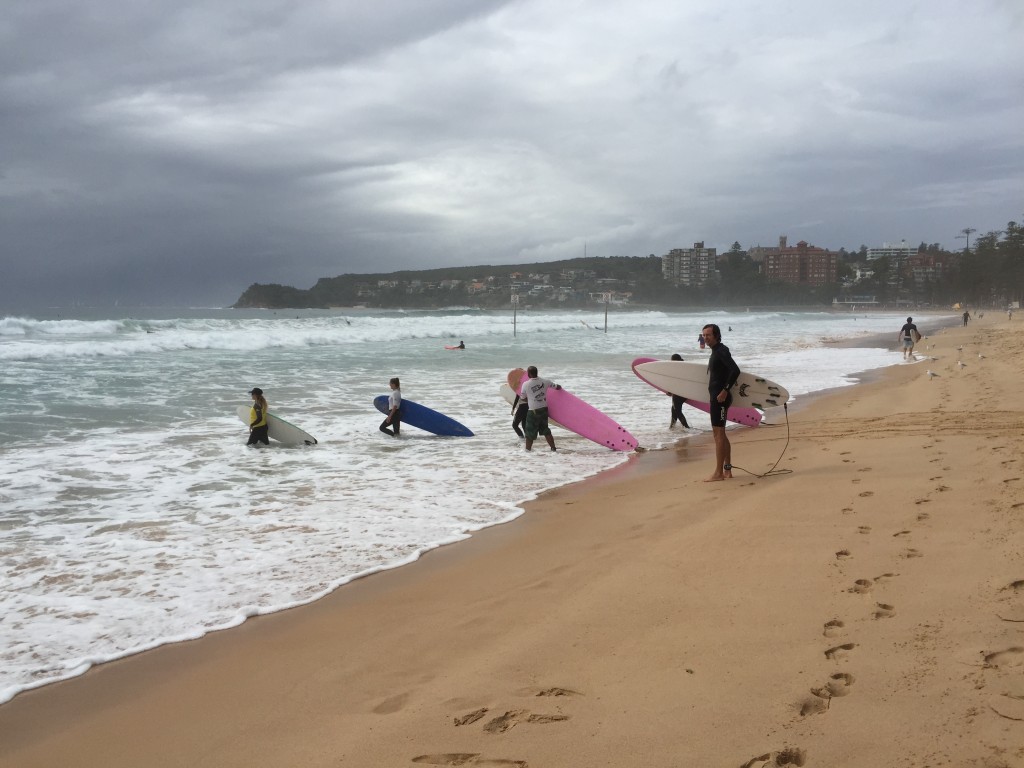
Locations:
{"points": [[802, 264], [925, 268], [692, 267], [896, 254]]}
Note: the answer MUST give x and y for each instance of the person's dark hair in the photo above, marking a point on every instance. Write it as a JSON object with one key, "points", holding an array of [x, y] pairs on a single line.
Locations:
{"points": [[676, 356], [532, 371], [910, 319], [715, 331], [395, 382]]}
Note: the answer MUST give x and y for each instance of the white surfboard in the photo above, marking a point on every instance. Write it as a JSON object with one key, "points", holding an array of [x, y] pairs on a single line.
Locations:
{"points": [[690, 380], [280, 430]]}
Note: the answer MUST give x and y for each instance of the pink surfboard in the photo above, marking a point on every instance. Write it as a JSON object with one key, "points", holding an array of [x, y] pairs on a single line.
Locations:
{"points": [[580, 417], [749, 417]]}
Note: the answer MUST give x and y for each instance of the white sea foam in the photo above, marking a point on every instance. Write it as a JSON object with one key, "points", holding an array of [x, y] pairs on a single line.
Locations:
{"points": [[131, 513]]}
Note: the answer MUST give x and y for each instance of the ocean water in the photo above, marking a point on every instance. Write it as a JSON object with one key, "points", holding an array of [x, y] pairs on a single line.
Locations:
{"points": [[132, 514]]}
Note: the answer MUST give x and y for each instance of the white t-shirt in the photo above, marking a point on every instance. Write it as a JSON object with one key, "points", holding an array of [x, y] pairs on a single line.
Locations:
{"points": [[536, 392], [395, 399]]}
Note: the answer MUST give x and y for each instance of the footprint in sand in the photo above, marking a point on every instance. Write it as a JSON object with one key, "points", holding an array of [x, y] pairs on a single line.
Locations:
{"points": [[1011, 480], [885, 577], [832, 628], [864, 469], [839, 651], [391, 705], [1015, 585], [468, 758], [922, 501], [866, 494], [842, 554], [861, 586], [911, 552], [847, 510], [471, 718], [837, 686], [922, 516], [901, 533], [863, 529], [1011, 657], [884, 611], [513, 717], [558, 692], [942, 488], [788, 756]]}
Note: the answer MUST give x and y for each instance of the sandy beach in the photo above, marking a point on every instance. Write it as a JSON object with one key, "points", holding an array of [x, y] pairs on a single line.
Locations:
{"points": [[862, 605]]}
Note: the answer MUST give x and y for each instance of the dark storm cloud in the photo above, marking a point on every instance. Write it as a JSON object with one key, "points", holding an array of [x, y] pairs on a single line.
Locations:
{"points": [[176, 152]]}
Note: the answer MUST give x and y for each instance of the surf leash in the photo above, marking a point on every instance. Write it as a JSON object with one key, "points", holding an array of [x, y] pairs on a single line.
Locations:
{"points": [[773, 472]]}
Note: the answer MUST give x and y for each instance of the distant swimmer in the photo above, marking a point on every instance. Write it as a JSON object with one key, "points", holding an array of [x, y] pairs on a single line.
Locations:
{"points": [[462, 344], [259, 429]]}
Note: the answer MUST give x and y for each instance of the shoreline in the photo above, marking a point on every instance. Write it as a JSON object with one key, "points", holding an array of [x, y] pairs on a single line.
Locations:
{"points": [[584, 590]]}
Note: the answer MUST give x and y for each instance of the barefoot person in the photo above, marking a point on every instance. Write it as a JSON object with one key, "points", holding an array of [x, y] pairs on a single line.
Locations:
{"points": [[909, 335], [722, 374], [535, 390], [392, 424]]}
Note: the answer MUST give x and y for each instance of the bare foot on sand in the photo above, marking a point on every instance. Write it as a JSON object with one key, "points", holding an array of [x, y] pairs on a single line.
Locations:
{"points": [[713, 478]]}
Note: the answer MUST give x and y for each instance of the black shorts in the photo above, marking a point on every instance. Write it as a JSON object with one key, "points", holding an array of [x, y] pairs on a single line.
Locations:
{"points": [[537, 423], [719, 411]]}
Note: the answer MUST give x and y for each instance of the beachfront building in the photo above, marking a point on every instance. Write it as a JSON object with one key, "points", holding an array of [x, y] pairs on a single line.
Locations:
{"points": [[802, 264], [691, 267]]}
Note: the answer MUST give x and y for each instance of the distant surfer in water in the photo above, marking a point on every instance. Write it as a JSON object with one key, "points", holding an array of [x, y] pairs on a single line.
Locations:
{"points": [[258, 427], [394, 417], [722, 375], [910, 336], [677, 403], [700, 340], [462, 344], [535, 390]]}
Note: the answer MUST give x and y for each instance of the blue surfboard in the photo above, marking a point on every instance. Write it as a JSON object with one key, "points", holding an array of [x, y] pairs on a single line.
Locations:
{"points": [[427, 419]]}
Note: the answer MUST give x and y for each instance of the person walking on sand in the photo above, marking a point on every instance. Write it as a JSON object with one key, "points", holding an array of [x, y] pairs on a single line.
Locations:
{"points": [[909, 336], [967, 317], [394, 417], [722, 375], [677, 404], [535, 390], [258, 427]]}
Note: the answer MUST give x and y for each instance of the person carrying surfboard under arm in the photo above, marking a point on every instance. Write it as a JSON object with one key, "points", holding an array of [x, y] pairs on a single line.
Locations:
{"points": [[722, 374], [258, 427], [910, 336], [535, 390], [394, 417]]}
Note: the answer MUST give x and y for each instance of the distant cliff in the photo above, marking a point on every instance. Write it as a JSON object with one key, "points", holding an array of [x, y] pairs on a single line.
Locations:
{"points": [[567, 282]]}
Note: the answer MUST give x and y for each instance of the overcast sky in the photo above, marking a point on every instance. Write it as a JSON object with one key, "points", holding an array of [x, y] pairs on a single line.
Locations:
{"points": [[173, 152]]}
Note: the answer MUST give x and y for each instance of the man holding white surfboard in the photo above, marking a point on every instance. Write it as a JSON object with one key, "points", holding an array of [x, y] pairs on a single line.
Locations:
{"points": [[722, 374], [910, 336]]}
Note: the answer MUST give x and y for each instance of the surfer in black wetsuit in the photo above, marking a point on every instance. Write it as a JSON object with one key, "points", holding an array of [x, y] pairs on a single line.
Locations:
{"points": [[519, 410], [677, 405], [258, 426], [722, 375]]}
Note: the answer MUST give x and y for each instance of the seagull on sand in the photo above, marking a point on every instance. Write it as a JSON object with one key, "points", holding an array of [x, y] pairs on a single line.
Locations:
{"points": [[931, 375], [981, 356], [961, 364]]}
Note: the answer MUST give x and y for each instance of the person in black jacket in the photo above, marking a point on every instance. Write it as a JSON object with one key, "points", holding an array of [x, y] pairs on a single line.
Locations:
{"points": [[722, 375]]}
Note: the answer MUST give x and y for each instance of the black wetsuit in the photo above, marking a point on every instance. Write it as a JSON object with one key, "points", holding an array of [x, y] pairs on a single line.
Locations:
{"points": [[722, 374]]}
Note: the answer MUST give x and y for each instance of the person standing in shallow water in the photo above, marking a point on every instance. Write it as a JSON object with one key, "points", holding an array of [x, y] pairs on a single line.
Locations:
{"points": [[909, 336], [394, 417], [677, 404], [535, 390], [722, 375], [259, 429]]}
